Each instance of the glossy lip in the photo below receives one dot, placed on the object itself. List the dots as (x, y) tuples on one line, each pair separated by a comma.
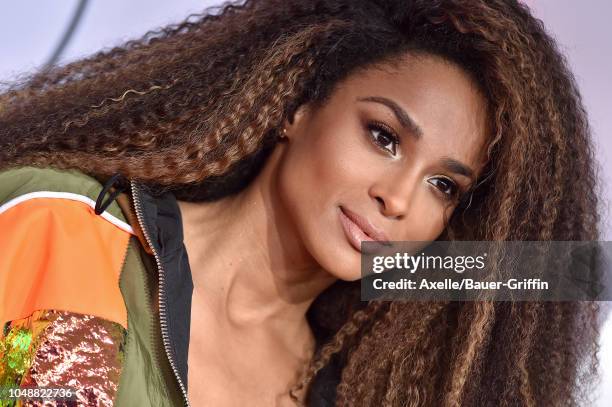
[(365, 225), (358, 229)]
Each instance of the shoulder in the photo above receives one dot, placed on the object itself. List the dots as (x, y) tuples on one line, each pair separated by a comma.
[(57, 253), (63, 317), (21, 184), (19, 180)]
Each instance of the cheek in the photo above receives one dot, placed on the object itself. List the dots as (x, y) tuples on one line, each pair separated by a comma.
[(313, 179), (319, 167), (425, 221), (308, 178)]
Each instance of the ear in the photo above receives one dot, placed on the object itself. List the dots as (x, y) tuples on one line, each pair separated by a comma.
[(295, 120)]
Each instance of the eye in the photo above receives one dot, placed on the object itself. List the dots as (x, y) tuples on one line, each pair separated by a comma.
[(383, 137), (447, 186)]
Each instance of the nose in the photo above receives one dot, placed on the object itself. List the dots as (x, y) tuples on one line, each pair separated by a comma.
[(395, 194)]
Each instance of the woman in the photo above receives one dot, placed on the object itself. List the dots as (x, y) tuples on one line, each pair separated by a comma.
[(257, 147)]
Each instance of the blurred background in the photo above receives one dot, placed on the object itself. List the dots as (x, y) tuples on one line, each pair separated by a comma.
[(34, 33)]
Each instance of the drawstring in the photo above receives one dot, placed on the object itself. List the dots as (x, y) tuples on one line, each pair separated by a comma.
[(100, 205)]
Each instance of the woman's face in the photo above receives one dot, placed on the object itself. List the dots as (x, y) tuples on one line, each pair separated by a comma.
[(342, 158)]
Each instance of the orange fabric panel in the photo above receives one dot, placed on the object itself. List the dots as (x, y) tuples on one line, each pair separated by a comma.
[(58, 254)]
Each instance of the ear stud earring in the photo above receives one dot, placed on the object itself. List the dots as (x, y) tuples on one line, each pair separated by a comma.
[(283, 134)]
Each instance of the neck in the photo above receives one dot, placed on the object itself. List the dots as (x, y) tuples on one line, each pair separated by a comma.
[(247, 264)]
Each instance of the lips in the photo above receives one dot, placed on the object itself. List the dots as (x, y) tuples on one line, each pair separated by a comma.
[(365, 225), (356, 234)]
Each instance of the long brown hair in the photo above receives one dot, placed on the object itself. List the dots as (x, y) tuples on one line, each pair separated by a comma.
[(195, 107)]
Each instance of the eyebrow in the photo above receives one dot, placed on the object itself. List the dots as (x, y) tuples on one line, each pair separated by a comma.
[(401, 115), (450, 164)]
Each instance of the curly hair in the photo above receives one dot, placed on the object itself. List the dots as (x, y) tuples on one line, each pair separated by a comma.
[(195, 108)]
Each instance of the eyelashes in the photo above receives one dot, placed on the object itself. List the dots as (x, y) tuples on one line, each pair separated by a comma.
[(386, 140), (376, 130), (449, 188)]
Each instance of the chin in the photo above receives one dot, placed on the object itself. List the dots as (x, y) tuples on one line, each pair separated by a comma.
[(338, 262), (344, 275), (352, 276)]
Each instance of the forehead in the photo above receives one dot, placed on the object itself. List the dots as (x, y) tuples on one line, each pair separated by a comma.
[(438, 95)]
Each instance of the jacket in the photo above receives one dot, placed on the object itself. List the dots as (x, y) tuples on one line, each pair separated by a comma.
[(95, 290)]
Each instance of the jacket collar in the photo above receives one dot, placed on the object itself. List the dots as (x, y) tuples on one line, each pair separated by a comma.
[(161, 221)]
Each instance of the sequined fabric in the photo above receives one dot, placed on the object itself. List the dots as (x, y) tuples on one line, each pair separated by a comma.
[(63, 349)]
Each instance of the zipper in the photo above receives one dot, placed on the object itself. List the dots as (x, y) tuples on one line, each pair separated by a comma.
[(162, 304)]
